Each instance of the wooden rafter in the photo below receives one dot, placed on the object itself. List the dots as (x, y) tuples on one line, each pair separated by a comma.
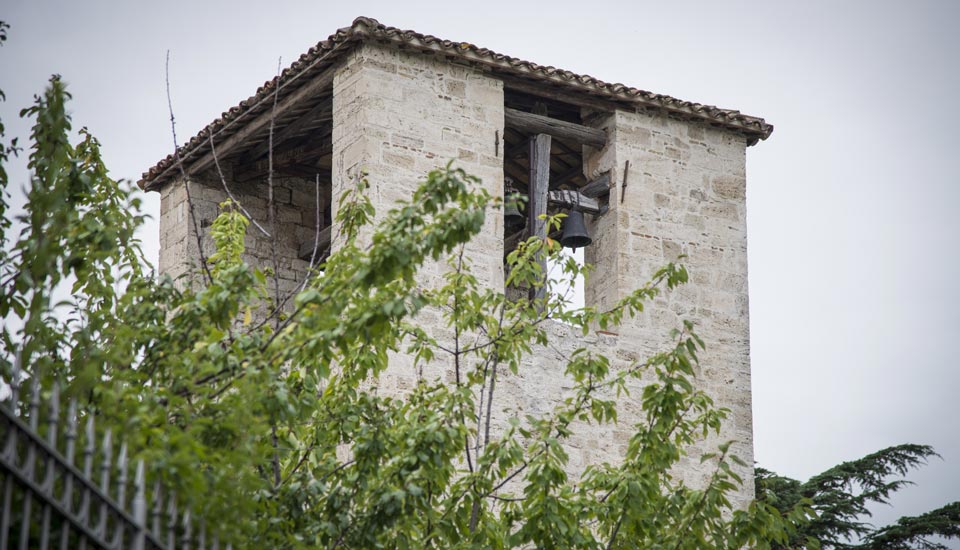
[(312, 89), (304, 166), (518, 168), (566, 176), (319, 112)]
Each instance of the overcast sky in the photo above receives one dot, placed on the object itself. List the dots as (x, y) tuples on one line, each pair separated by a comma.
[(853, 203)]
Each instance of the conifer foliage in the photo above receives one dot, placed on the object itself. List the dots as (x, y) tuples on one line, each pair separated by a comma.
[(842, 495)]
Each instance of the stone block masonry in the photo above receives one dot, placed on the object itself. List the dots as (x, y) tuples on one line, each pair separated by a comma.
[(295, 201), (685, 196), (398, 114)]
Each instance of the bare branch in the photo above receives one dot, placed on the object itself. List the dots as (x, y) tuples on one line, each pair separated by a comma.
[(316, 238), (272, 221), (456, 347), (276, 456), (271, 205), (186, 179), (223, 180), (316, 232)]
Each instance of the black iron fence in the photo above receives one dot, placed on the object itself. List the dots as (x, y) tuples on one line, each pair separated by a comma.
[(50, 501)]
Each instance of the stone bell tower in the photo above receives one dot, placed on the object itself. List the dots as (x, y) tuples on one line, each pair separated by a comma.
[(657, 178)]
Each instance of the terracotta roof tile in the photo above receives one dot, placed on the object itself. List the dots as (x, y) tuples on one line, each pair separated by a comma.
[(322, 55)]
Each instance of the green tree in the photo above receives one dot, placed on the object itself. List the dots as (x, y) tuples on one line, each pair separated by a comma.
[(842, 495), (266, 418)]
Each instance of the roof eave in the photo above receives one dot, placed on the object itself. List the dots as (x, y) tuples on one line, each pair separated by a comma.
[(753, 128)]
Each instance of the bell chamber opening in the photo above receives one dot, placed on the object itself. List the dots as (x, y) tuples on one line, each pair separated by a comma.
[(544, 145)]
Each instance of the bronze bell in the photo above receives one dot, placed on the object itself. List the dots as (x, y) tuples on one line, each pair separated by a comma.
[(511, 211), (574, 231)]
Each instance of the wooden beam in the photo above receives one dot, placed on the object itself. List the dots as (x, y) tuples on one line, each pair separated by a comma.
[(321, 110), (539, 188), (598, 187), (312, 88), (539, 124), (539, 182), (573, 199)]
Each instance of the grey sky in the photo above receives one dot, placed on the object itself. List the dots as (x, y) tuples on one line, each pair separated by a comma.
[(853, 202)]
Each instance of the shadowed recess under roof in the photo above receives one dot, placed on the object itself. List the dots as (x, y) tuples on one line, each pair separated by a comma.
[(320, 57)]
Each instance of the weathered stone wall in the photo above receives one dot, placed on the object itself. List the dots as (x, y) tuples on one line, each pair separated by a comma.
[(685, 195), (174, 230), (295, 201), (398, 114)]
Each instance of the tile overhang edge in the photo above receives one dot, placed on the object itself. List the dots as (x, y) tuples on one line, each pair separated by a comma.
[(364, 28)]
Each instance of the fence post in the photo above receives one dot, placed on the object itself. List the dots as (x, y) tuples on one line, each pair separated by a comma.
[(84, 516), (30, 462), (156, 511), (58, 500), (67, 500), (187, 531), (53, 416), (118, 528), (10, 454), (139, 509), (172, 520), (105, 465)]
